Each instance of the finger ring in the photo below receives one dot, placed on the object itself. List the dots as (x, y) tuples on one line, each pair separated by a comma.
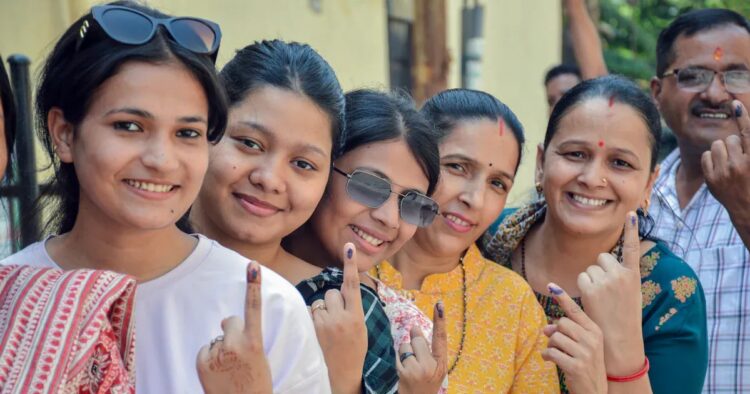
[(220, 338), (406, 355), (319, 304)]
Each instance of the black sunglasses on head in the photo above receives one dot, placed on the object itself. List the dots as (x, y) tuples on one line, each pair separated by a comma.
[(373, 191), (130, 26)]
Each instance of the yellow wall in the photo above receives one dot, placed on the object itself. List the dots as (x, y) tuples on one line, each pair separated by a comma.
[(521, 40)]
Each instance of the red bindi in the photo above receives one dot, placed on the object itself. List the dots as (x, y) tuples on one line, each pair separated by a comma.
[(601, 144), (502, 127), (718, 53)]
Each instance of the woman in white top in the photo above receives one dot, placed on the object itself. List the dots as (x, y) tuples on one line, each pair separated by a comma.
[(128, 104)]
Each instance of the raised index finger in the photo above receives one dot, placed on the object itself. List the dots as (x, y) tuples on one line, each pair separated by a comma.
[(631, 243), (350, 288), (743, 123), (253, 300)]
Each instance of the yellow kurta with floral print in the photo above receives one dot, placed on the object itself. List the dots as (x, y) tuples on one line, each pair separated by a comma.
[(501, 350)]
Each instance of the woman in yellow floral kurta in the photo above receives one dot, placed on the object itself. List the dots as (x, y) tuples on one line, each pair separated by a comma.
[(494, 323)]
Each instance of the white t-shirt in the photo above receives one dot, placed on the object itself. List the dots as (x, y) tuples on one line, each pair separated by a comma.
[(182, 310)]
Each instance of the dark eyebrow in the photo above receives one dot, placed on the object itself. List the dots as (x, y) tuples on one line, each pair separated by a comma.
[(131, 111), (148, 115), (474, 162), (270, 135), (460, 156), (586, 144), (736, 66)]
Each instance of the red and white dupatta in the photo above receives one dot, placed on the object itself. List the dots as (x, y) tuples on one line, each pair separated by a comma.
[(66, 331)]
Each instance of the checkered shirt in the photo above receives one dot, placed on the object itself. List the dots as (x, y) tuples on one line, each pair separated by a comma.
[(703, 235), (379, 374)]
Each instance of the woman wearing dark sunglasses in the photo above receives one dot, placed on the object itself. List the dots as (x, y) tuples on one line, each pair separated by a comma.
[(375, 199), (495, 324), (128, 104)]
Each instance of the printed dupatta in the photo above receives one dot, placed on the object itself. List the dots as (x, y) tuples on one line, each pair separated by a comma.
[(66, 331)]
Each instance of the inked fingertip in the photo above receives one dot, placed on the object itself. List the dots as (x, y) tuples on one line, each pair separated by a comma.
[(252, 272), (555, 289), (633, 219), (737, 109), (440, 309)]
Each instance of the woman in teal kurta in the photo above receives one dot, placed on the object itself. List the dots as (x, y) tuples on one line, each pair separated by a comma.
[(596, 166), (674, 308)]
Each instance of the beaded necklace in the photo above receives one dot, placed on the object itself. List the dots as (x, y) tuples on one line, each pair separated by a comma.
[(465, 299)]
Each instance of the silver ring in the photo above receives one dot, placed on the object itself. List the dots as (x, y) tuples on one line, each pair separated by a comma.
[(406, 355), (214, 341), (318, 304)]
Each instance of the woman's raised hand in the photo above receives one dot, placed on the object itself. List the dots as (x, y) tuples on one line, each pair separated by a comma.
[(340, 326), (576, 346), (611, 296), (423, 370), (235, 362)]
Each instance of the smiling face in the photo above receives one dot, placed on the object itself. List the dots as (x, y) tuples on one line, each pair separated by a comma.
[(478, 164), (699, 118), (376, 232), (141, 151), (596, 167), (270, 170)]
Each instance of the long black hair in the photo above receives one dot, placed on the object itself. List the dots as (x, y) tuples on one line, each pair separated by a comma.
[(9, 110), (373, 116), (72, 75)]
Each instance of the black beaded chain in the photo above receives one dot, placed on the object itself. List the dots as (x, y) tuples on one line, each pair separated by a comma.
[(465, 300)]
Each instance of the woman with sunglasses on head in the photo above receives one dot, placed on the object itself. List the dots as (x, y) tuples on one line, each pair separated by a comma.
[(268, 173), (127, 105), (644, 326), (376, 198), (495, 324)]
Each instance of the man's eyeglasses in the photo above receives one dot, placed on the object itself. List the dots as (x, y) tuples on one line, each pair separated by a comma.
[(130, 26), (373, 191), (697, 79)]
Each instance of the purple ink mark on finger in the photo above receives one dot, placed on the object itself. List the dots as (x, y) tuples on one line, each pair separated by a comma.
[(349, 253), (738, 111), (554, 289), (252, 274)]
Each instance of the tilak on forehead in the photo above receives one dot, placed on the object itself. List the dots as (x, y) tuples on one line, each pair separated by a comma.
[(718, 53), (502, 127)]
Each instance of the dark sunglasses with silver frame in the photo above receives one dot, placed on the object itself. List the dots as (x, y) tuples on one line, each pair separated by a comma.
[(130, 26), (373, 191)]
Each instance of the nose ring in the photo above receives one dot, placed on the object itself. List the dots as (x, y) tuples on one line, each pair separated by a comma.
[(604, 181)]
